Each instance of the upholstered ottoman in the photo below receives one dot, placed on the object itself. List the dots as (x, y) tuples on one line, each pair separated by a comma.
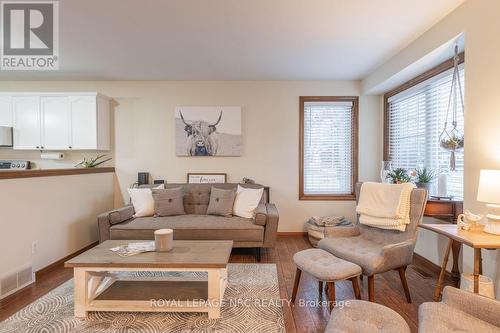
[(367, 317), (326, 267)]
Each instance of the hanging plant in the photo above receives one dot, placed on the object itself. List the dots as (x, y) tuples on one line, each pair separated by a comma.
[(453, 143), (451, 138)]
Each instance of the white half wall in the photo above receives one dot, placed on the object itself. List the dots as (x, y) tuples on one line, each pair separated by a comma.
[(144, 127), (59, 213)]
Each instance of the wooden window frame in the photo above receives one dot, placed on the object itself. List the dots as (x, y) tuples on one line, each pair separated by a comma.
[(443, 67), (354, 145)]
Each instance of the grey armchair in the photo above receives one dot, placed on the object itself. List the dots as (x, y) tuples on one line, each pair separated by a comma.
[(459, 311), (378, 250)]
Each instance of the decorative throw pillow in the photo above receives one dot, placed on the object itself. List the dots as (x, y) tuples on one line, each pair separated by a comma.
[(142, 200), (168, 202), (246, 201), (221, 202)]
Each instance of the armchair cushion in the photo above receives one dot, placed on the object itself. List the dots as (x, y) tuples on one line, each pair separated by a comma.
[(336, 232), (366, 317), (440, 317), (398, 255), (478, 306), (363, 252)]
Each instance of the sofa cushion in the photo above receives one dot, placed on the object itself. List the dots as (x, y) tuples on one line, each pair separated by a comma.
[(142, 200), (246, 201), (197, 196), (191, 227), (439, 317), (221, 202), (168, 202), (360, 251)]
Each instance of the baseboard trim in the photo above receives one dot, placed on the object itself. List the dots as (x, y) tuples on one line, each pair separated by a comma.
[(60, 262), (292, 233), (430, 266)]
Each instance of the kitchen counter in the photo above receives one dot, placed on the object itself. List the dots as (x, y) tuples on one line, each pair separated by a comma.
[(12, 174)]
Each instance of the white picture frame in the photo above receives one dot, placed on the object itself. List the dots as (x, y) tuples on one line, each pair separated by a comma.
[(206, 178)]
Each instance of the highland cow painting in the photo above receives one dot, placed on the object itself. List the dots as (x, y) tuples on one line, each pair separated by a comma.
[(208, 131)]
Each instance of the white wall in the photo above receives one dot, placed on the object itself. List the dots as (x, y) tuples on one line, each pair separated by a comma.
[(58, 212), (478, 19), (144, 122)]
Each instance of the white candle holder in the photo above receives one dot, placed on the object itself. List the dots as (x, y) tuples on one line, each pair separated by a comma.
[(164, 240)]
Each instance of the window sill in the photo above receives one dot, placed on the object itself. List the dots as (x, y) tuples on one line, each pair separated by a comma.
[(312, 197)]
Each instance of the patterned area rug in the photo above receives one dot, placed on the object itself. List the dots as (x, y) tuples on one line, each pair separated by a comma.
[(251, 304)]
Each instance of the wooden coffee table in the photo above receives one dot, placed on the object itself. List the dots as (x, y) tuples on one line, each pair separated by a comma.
[(98, 286)]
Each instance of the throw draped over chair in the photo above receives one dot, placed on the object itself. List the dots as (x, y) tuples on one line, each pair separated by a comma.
[(377, 250)]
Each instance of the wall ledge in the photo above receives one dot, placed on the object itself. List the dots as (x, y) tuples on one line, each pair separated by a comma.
[(11, 174)]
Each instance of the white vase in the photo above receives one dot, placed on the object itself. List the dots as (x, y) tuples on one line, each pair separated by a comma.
[(385, 169)]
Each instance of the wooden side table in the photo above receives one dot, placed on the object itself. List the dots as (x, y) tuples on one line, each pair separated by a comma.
[(476, 239), (446, 211)]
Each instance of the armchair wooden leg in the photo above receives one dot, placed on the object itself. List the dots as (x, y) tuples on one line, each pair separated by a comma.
[(402, 276), (331, 294), (296, 284), (371, 288), (355, 287), (320, 289)]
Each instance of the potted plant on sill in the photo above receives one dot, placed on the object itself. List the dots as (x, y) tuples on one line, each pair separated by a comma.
[(398, 176), (93, 162), (424, 178)]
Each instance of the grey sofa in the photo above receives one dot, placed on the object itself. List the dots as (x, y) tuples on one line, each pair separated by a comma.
[(257, 233)]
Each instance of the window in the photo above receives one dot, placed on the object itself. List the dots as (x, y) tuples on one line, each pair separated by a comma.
[(328, 147), (415, 118)]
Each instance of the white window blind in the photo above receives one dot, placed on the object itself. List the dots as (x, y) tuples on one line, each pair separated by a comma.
[(415, 121), (328, 138)]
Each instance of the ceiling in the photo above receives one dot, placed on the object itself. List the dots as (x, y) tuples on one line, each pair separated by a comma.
[(234, 39)]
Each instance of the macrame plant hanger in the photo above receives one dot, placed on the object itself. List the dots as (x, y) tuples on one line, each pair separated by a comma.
[(451, 138)]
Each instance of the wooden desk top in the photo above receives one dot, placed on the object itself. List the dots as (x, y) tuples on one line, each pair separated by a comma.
[(185, 254), (474, 239)]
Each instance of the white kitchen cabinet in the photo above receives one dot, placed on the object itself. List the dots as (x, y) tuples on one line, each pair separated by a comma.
[(83, 122), (57, 121), (26, 122), (90, 122), (6, 111)]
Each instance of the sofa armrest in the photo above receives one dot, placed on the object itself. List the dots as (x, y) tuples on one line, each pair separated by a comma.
[(478, 306), (398, 254), (271, 227), (334, 232), (106, 220), (260, 215)]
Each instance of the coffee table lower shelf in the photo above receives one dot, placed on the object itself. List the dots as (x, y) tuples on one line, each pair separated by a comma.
[(101, 289)]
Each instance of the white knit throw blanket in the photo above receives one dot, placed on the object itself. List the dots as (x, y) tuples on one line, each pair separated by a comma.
[(385, 206)]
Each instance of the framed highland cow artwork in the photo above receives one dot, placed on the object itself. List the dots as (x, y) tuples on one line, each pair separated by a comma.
[(208, 131)]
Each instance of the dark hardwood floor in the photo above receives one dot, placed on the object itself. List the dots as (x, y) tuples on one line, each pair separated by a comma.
[(388, 289)]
